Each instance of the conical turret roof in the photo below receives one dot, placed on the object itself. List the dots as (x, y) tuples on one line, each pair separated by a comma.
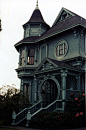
[(36, 17)]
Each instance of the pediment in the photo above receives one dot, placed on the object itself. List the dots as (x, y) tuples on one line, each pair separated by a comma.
[(46, 65), (64, 14)]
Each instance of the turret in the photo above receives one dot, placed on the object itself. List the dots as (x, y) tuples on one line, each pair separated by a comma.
[(36, 25)]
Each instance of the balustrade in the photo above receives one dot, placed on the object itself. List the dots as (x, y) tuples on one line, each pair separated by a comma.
[(37, 108)]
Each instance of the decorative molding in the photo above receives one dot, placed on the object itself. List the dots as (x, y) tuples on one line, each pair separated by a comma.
[(75, 32), (82, 33)]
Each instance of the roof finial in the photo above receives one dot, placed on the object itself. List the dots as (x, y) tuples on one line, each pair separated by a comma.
[(37, 5)]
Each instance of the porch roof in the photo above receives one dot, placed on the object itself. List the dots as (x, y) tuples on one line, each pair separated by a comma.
[(57, 65)]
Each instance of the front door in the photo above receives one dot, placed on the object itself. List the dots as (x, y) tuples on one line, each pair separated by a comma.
[(49, 92)]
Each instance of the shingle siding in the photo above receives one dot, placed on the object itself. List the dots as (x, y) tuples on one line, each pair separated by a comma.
[(73, 45)]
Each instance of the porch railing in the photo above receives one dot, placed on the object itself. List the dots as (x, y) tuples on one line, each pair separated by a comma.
[(54, 106), (23, 114), (36, 109)]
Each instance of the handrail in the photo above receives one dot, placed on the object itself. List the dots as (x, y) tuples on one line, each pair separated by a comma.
[(23, 114), (21, 111), (47, 108), (51, 107), (34, 105), (28, 108)]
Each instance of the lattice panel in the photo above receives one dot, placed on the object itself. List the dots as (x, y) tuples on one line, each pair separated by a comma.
[(71, 82), (46, 97), (68, 93), (60, 97), (59, 78)]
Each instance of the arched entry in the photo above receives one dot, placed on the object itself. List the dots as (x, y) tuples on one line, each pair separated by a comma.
[(49, 91)]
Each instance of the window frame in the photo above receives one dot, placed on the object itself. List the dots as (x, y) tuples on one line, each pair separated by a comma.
[(30, 57), (58, 49), (22, 57)]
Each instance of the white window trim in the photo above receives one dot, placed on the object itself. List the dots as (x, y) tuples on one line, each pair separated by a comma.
[(57, 44)]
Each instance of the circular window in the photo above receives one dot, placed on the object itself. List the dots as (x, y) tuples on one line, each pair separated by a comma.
[(61, 49)]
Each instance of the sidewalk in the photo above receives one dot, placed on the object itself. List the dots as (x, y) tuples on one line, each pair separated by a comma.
[(19, 128), (24, 128)]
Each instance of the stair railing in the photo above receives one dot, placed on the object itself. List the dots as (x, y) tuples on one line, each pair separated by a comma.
[(54, 106), (35, 110), (17, 118)]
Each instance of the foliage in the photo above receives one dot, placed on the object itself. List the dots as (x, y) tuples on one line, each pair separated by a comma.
[(76, 104), (9, 103), (54, 120), (72, 117)]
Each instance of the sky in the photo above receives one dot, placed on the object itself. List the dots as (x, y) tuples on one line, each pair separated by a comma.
[(14, 13)]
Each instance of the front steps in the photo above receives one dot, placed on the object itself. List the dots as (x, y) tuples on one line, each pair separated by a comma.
[(32, 112)]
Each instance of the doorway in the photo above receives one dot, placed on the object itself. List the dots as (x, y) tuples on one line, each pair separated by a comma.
[(49, 91)]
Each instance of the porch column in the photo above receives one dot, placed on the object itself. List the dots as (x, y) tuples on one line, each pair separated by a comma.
[(63, 75), (30, 92), (35, 85)]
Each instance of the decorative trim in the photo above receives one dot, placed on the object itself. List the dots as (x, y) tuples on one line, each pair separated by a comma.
[(41, 83), (61, 42)]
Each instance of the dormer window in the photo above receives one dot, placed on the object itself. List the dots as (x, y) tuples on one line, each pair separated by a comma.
[(30, 58), (22, 57)]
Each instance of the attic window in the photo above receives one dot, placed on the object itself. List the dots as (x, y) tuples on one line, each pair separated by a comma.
[(30, 58), (61, 49)]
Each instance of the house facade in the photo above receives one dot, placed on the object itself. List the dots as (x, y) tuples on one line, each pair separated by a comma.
[(52, 59)]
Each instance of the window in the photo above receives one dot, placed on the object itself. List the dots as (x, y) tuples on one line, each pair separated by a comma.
[(61, 49), (26, 90), (22, 57), (30, 58)]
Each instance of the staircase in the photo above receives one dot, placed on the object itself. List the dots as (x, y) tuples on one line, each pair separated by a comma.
[(35, 110)]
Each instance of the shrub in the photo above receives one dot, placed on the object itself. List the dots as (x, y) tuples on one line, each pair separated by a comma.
[(72, 117), (53, 120), (9, 103)]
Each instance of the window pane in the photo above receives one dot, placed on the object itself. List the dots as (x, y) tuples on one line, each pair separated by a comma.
[(31, 52), (65, 46), (57, 51), (22, 61), (65, 50), (60, 46), (22, 53), (31, 60), (60, 52), (26, 90)]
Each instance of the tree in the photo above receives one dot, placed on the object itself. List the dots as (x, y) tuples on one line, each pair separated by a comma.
[(10, 102)]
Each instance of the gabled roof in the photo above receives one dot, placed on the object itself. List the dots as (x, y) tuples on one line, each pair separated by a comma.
[(57, 27), (64, 25), (60, 63), (36, 17), (62, 10), (55, 65)]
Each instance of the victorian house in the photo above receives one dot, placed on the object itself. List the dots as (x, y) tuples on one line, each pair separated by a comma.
[(51, 60)]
